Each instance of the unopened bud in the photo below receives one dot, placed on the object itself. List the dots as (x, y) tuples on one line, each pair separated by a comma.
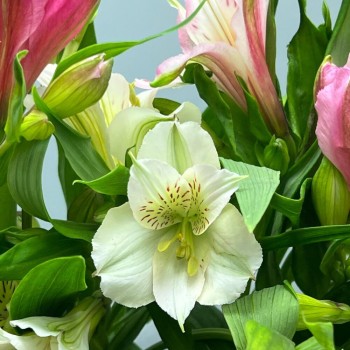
[(78, 87), (276, 155), (313, 310), (36, 126), (330, 195)]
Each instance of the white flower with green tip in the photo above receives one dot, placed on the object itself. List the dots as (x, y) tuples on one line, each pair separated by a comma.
[(70, 332), (178, 240)]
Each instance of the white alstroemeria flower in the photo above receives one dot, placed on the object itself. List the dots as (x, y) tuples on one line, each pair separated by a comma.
[(177, 240), (69, 332), (9, 341)]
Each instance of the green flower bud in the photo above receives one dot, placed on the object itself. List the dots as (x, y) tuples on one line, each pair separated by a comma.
[(330, 195), (78, 87), (276, 155), (313, 310), (336, 262), (36, 126)]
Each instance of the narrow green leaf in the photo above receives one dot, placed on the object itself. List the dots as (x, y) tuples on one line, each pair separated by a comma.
[(24, 177), (260, 337), (323, 333), (255, 192), (115, 49), (275, 308), (305, 236), (305, 53), (169, 329), (8, 208), (291, 207), (339, 45), (16, 262), (113, 183), (75, 230), (47, 287), (77, 148), (15, 108)]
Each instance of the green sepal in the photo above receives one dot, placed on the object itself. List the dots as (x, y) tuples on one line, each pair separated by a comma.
[(16, 262), (275, 308), (48, 287), (305, 53)]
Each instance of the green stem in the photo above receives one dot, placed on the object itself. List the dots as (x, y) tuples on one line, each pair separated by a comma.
[(26, 220), (8, 209)]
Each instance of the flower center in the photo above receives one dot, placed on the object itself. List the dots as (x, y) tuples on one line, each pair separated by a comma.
[(185, 246)]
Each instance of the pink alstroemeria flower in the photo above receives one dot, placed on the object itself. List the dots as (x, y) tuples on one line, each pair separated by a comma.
[(228, 37), (333, 109), (44, 28)]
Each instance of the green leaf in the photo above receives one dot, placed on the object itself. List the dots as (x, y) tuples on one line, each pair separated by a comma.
[(291, 207), (75, 230), (16, 262), (46, 289), (275, 308), (305, 53), (24, 177), (306, 261), (209, 92), (305, 236), (15, 108), (77, 148), (113, 183), (322, 337), (169, 329), (8, 208), (255, 192), (339, 45), (260, 337)]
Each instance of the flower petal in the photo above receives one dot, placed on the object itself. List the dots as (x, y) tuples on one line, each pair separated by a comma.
[(178, 144), (129, 127), (116, 98), (234, 257), (122, 253), (211, 190), (10, 341), (174, 290), (159, 197), (39, 324)]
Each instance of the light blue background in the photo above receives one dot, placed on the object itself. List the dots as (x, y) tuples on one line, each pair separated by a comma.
[(137, 19)]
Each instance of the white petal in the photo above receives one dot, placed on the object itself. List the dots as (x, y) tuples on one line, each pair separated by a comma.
[(158, 195), (39, 324), (211, 191), (129, 127), (116, 97), (180, 145), (174, 290), (234, 258), (47, 74), (188, 112), (10, 341), (122, 253)]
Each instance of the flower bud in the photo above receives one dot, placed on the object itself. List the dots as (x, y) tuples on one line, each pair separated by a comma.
[(336, 262), (330, 195), (276, 155), (36, 126), (79, 87), (313, 310)]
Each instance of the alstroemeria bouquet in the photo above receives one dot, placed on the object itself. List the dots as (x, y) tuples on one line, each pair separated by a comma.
[(228, 227)]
